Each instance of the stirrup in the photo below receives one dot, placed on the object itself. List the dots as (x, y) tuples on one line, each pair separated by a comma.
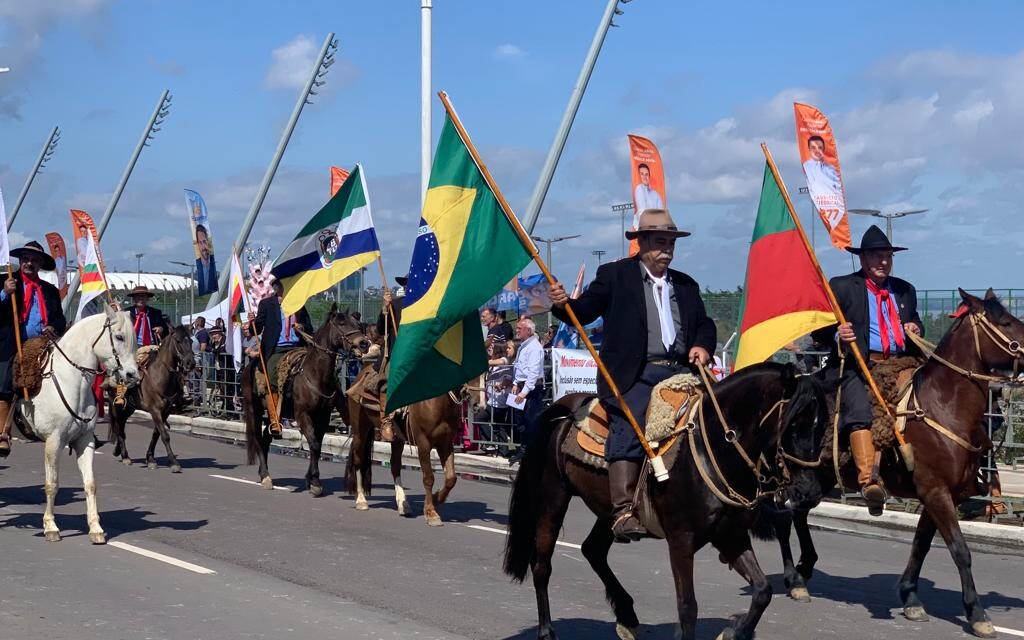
[(628, 535), (119, 400), (876, 505)]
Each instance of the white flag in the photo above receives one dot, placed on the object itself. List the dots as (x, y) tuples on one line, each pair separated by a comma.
[(5, 247)]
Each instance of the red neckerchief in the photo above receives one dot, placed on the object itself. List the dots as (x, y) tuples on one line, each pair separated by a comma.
[(882, 296), (33, 290), (142, 324)]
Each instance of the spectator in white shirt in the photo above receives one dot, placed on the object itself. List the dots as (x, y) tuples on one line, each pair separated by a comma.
[(528, 378)]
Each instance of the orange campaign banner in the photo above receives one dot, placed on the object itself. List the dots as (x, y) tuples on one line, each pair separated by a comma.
[(820, 160), (648, 180), (81, 224), (60, 256), (338, 178)]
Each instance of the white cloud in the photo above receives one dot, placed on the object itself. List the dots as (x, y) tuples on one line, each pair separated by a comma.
[(165, 243), (292, 63), (508, 51)]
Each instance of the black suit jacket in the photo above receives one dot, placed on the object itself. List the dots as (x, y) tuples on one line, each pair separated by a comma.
[(852, 295), (617, 295), (54, 315), (156, 319), (268, 323), (206, 281)]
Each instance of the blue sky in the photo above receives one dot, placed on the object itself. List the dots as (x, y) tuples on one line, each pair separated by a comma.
[(926, 99)]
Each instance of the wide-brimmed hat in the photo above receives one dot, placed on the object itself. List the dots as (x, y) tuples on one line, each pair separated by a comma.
[(402, 280), (33, 248), (141, 290), (874, 239), (656, 220)]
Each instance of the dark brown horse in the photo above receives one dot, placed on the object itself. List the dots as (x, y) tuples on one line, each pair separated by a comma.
[(312, 396), (952, 391), (769, 411), (430, 425), (161, 390)]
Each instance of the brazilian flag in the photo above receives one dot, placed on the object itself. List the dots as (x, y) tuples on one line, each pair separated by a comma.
[(466, 250)]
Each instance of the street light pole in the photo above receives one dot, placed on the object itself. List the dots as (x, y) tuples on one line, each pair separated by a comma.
[(192, 285), (549, 242), (888, 217), (622, 209), (44, 157), (598, 253), (138, 270)]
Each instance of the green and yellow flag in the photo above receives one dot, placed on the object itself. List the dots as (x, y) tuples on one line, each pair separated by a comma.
[(466, 250)]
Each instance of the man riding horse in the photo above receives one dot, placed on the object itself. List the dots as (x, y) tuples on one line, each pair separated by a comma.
[(150, 323), (385, 327), (280, 334), (880, 310), (655, 326), (39, 313)]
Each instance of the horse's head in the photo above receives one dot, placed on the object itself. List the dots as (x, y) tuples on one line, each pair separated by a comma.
[(115, 345), (342, 331), (803, 425), (998, 336), (180, 341)]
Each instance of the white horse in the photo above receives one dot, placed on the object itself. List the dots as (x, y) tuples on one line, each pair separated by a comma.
[(65, 407)]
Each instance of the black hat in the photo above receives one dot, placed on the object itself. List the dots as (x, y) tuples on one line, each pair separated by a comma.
[(33, 248), (402, 280), (874, 238)]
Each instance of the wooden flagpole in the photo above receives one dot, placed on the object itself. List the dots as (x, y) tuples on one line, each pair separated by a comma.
[(857, 355), (657, 464), (391, 312), (17, 322)]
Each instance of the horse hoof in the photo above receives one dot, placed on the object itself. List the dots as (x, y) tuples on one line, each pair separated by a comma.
[(915, 614), (361, 505), (403, 508), (175, 468), (728, 634), (434, 520), (126, 462), (98, 537), (624, 632), (151, 466), (316, 491), (983, 629), (800, 594), (52, 536), (267, 483)]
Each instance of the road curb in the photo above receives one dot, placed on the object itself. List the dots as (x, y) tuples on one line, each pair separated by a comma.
[(982, 536), (495, 469)]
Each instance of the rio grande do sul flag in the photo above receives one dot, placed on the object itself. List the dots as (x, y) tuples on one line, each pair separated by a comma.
[(94, 282), (784, 296), (819, 158), (466, 250)]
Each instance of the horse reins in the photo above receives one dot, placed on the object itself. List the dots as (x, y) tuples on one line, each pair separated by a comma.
[(85, 371)]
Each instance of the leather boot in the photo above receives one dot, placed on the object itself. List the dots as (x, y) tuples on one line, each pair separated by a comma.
[(863, 448), (622, 479), (5, 428)]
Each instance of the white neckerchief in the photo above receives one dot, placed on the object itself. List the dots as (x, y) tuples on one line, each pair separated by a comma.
[(663, 302)]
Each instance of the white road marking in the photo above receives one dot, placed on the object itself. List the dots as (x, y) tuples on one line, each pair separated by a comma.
[(214, 475), (1011, 632), (505, 533), (188, 566)]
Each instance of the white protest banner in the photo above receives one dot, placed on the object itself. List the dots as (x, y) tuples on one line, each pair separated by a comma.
[(573, 371)]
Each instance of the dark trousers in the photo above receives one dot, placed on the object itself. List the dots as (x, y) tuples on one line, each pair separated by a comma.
[(855, 407), (622, 442), (528, 418)]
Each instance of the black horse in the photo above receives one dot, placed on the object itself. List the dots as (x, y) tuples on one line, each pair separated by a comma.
[(161, 390), (773, 415)]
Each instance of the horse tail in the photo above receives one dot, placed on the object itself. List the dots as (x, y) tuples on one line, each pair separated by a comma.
[(524, 503), (252, 426)]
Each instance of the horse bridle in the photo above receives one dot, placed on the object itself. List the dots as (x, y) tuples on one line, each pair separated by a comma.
[(1003, 342), (780, 478), (85, 371)]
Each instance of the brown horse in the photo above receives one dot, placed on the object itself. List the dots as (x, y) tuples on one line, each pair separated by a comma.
[(312, 396), (161, 390), (772, 415), (952, 392), (430, 425)]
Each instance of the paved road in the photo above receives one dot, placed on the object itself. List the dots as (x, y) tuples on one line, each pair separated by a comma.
[(253, 564)]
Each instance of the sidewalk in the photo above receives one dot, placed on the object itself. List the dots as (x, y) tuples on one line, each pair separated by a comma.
[(1012, 481)]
